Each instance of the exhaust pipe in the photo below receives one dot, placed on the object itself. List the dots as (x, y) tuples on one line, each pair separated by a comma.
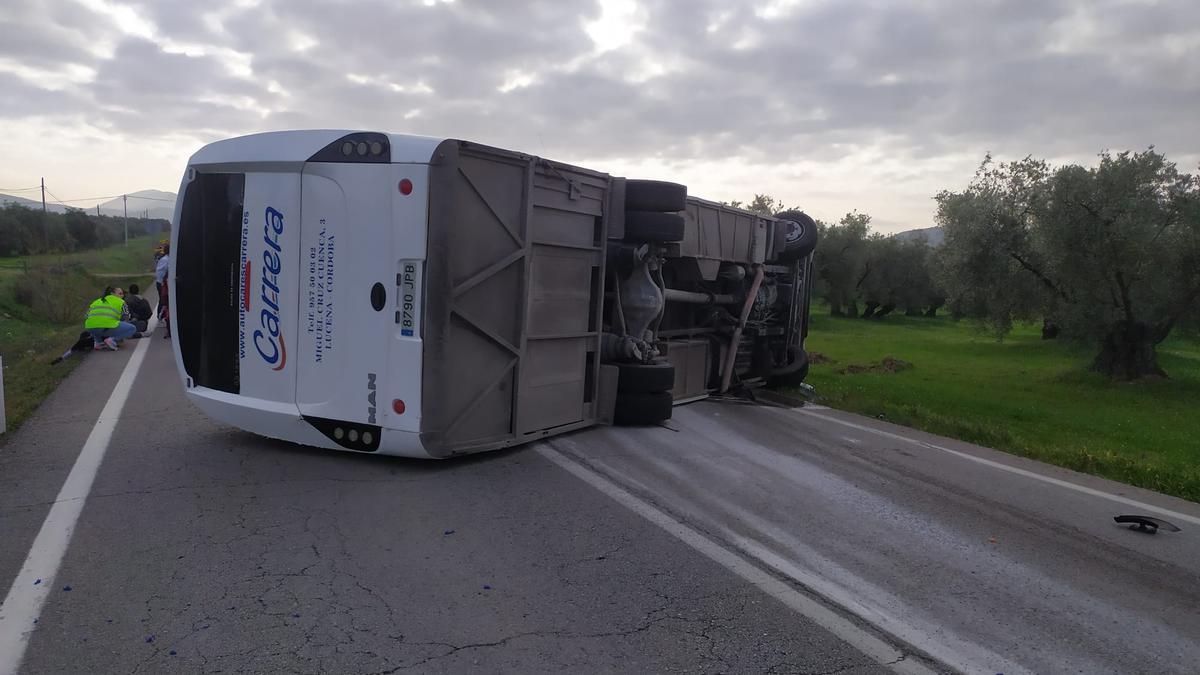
[(736, 340)]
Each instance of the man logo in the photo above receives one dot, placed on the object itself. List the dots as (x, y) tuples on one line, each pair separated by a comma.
[(370, 398)]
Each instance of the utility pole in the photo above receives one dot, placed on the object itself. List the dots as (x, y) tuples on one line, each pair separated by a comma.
[(125, 204), (97, 210), (45, 221)]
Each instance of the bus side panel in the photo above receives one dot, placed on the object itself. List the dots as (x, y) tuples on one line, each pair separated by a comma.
[(514, 277), (475, 286)]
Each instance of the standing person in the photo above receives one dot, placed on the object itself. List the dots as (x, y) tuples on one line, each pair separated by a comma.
[(104, 322), (161, 268), (164, 308)]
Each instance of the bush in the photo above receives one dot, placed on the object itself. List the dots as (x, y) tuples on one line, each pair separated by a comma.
[(55, 293)]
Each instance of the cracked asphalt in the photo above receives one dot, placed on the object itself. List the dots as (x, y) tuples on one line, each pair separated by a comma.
[(974, 557), (206, 549)]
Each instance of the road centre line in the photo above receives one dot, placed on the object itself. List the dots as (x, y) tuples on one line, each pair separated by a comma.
[(1004, 467), (849, 632), (27, 595)]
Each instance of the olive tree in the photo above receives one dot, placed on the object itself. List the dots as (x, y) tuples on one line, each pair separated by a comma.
[(764, 205), (899, 278), (843, 263), (1111, 252)]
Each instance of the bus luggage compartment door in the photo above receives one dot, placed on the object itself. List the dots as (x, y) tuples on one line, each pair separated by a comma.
[(269, 247), (513, 289)]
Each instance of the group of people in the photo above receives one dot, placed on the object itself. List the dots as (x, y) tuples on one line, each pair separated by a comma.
[(117, 315)]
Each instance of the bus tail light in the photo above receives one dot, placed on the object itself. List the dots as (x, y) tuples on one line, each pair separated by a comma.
[(349, 435), (358, 147), (398, 406)]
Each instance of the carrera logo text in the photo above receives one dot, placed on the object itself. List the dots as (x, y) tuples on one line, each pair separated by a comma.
[(268, 339)]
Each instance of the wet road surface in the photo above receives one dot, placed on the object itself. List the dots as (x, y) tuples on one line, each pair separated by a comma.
[(739, 538)]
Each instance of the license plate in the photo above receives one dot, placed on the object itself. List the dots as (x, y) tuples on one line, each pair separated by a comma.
[(408, 298)]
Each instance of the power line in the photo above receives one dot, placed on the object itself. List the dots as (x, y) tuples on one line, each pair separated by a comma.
[(88, 199), (64, 202), (52, 195)]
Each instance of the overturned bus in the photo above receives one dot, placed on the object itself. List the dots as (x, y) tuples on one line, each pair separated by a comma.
[(430, 297)]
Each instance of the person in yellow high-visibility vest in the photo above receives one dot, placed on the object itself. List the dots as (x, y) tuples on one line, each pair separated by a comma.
[(104, 322)]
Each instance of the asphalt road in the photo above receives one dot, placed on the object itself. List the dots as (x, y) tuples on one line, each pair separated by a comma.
[(718, 544)]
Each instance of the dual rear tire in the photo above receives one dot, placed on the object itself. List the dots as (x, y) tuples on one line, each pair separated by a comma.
[(653, 214), (652, 211), (644, 393)]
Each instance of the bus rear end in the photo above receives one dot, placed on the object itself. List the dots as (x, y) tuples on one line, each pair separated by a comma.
[(298, 263)]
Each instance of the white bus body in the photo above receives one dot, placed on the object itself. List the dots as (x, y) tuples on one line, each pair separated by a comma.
[(397, 294)]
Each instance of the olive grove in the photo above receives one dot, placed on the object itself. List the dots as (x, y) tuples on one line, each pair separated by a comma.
[(1109, 254)]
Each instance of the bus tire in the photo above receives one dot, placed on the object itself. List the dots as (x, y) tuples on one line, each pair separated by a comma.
[(792, 375), (640, 409), (654, 195), (640, 378), (800, 235), (652, 226)]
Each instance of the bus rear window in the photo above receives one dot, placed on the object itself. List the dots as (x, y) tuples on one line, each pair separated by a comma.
[(207, 279)]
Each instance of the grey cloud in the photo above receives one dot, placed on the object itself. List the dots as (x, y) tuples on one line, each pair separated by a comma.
[(49, 36), (919, 81), (147, 90), (19, 99)]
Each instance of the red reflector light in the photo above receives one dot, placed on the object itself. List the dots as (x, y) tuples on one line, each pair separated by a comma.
[(406, 187), (398, 406)]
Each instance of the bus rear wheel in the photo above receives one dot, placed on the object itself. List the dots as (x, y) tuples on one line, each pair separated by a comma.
[(652, 226), (642, 409), (654, 195), (641, 378)]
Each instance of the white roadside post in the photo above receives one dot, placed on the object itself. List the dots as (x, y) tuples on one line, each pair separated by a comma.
[(3, 425)]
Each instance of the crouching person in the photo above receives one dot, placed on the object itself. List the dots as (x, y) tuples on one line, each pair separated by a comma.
[(104, 322), (138, 308)]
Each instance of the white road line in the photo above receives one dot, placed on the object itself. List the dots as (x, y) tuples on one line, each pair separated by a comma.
[(27, 595), (1143, 506), (874, 647)]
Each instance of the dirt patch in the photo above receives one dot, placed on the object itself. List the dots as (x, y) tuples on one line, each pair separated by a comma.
[(815, 358), (889, 364)]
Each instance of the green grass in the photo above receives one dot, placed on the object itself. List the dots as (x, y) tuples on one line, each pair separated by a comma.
[(31, 336), (1024, 395), (135, 259), (27, 348)]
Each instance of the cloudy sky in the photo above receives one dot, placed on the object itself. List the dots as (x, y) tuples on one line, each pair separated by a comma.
[(832, 105)]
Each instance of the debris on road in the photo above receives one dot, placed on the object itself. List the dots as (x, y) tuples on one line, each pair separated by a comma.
[(1146, 524)]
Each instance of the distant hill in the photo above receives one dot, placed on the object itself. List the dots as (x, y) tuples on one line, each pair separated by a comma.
[(157, 203), (31, 203), (934, 236), (160, 204)]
